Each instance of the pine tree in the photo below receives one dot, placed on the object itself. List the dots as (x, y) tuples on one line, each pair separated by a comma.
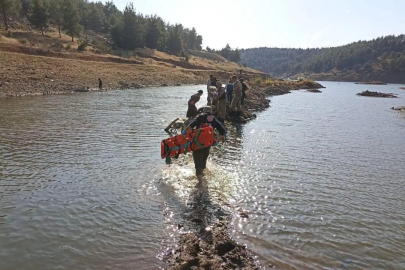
[(235, 56), (199, 42), (132, 34), (55, 12), (175, 40), (154, 33), (192, 39), (25, 7), (39, 15), (71, 18), (96, 18), (8, 7)]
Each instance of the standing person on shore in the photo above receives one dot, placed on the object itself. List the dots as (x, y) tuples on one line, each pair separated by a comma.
[(200, 156), (209, 82), (192, 108), (229, 90), (214, 82), (221, 102), (237, 95), (100, 84), (244, 89)]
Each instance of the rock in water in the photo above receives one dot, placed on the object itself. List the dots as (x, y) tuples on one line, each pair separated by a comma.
[(376, 94)]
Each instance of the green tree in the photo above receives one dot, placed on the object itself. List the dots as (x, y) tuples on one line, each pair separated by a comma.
[(25, 7), (56, 14), (226, 52), (132, 34), (8, 7), (175, 39), (235, 56), (154, 32), (71, 18), (192, 39), (116, 33), (39, 15), (96, 19), (199, 42)]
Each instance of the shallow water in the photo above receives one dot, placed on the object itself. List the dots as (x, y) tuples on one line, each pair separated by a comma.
[(318, 179)]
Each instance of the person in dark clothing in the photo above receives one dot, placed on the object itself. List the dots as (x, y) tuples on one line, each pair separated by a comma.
[(192, 109), (244, 89), (100, 84), (229, 90), (214, 81), (200, 156)]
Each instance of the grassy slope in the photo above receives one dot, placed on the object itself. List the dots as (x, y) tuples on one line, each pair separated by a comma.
[(31, 64)]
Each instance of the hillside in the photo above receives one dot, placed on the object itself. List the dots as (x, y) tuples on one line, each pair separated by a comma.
[(381, 59), (32, 64)]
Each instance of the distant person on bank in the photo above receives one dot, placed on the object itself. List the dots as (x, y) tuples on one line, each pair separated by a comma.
[(192, 108), (237, 95), (229, 90), (100, 84), (221, 102)]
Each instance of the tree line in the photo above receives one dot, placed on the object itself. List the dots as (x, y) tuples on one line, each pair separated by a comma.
[(128, 29), (228, 53), (387, 52)]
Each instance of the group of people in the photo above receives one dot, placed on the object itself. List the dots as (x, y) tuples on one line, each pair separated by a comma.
[(235, 87), (234, 94)]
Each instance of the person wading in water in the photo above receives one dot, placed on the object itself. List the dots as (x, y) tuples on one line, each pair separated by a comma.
[(200, 156), (192, 109)]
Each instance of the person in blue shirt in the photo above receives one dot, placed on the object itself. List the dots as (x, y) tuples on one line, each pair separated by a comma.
[(229, 90)]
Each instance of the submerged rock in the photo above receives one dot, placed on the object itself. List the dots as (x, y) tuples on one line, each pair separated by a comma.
[(399, 109), (376, 94), (314, 91), (373, 83)]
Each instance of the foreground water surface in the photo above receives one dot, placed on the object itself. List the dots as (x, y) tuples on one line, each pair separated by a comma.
[(317, 181)]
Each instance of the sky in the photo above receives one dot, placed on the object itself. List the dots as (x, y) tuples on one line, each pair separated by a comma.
[(280, 23)]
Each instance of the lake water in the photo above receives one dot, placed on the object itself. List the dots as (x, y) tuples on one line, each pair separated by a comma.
[(317, 181)]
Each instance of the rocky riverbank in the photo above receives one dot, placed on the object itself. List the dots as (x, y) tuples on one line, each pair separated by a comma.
[(260, 89)]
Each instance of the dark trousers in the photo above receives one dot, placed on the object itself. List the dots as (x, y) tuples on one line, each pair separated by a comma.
[(229, 97), (242, 100), (192, 111), (200, 159)]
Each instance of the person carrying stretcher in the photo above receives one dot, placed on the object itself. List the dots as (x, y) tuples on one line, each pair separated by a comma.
[(200, 156)]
